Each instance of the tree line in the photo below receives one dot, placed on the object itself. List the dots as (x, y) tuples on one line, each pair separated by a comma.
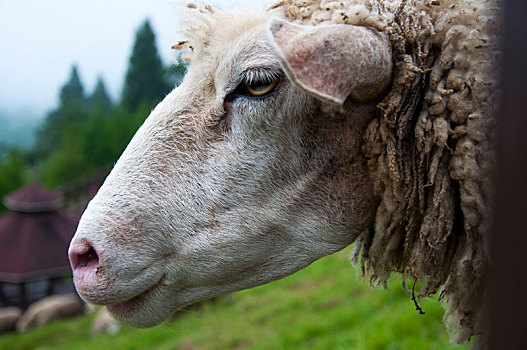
[(89, 131)]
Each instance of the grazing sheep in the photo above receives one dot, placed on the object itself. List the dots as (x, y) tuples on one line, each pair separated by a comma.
[(287, 142), (8, 317), (104, 323), (49, 309)]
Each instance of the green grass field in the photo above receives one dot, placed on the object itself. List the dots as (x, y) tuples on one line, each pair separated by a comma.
[(325, 306)]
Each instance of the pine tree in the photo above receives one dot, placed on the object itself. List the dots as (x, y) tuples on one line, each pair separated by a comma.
[(175, 73), (72, 90), (144, 82), (13, 169), (100, 97), (71, 110)]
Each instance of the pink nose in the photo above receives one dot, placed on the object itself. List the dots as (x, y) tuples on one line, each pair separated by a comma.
[(83, 257)]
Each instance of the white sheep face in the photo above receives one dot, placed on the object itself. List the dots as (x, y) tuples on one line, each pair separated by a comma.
[(221, 189)]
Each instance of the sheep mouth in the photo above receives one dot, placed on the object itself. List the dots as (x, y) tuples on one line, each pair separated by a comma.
[(126, 306), (122, 310)]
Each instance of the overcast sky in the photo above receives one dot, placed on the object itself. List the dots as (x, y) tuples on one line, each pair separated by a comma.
[(41, 39)]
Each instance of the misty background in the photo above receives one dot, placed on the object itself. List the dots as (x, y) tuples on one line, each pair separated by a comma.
[(77, 79), (41, 40)]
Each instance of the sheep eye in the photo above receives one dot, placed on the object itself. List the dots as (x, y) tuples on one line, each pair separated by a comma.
[(261, 87), (256, 83)]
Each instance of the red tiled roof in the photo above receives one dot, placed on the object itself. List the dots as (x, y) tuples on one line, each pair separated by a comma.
[(34, 246), (34, 241), (33, 198)]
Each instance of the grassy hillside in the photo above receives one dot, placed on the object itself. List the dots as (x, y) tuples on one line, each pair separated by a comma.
[(325, 306)]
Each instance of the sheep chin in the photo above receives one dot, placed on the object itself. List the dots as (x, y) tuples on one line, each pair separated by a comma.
[(147, 309)]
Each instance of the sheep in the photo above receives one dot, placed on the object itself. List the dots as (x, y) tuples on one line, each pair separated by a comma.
[(295, 133), (432, 164), (8, 317), (104, 323), (49, 309)]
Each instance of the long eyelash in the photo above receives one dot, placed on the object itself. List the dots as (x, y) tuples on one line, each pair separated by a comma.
[(259, 75)]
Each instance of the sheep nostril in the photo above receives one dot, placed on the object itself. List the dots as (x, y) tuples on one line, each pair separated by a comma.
[(83, 257)]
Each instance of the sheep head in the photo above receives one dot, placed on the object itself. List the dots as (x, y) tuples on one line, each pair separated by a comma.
[(247, 172)]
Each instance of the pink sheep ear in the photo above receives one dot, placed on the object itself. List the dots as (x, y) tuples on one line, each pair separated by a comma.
[(333, 61)]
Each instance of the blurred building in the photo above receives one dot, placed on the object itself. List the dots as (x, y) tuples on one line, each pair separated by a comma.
[(34, 239)]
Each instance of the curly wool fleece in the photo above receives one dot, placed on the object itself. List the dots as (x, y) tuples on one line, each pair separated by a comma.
[(431, 152)]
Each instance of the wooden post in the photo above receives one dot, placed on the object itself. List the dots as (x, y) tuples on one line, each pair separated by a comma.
[(2, 296), (508, 275), (51, 285), (23, 296)]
